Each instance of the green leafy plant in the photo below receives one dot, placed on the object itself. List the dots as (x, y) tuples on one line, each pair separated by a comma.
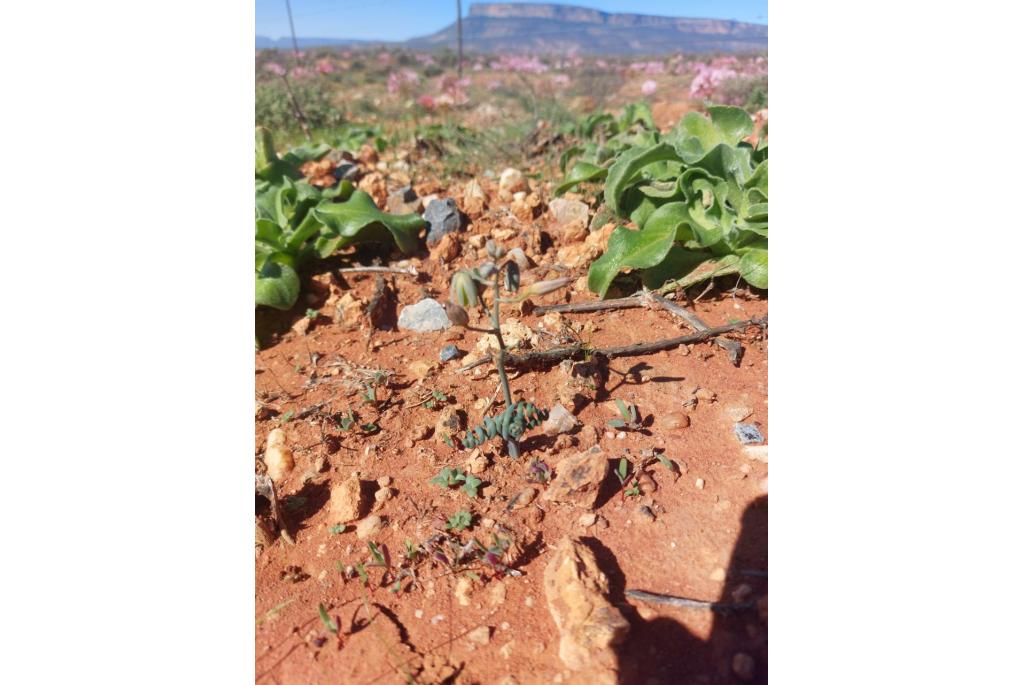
[(459, 521), (622, 473), (699, 195), (630, 416), (296, 221), (449, 477)]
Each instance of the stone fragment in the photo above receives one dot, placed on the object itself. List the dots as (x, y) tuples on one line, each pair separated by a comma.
[(568, 219), (449, 424), (369, 526), (425, 316), (522, 498), (447, 249), (480, 636), (443, 217), (559, 420), (404, 201), (578, 479), (588, 624), (449, 352), (510, 182), (347, 502), (278, 456), (748, 434)]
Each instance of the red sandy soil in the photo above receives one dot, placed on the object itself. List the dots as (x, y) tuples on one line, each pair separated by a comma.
[(701, 541)]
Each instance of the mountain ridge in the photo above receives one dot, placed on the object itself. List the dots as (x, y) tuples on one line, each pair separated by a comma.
[(557, 28)]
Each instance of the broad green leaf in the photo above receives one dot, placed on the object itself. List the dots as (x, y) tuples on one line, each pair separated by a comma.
[(581, 171), (309, 227), (754, 267), (306, 153), (629, 249), (660, 189), (727, 163), (628, 166), (674, 214), (678, 263), (270, 233), (359, 220), (277, 286), (732, 123), (759, 179), (567, 155)]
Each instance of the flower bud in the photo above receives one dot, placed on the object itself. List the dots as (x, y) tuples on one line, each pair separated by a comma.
[(463, 289)]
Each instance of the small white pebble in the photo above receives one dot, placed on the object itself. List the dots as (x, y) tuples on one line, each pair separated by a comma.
[(437, 619), (505, 625), (700, 483), (419, 613), (673, 545), (529, 601), (620, 436)]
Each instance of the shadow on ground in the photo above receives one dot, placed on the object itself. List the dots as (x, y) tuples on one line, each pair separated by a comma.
[(663, 651)]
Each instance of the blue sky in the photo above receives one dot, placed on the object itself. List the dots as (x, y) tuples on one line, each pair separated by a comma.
[(402, 19)]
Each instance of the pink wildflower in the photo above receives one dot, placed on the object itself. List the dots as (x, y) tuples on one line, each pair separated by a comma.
[(648, 87), (274, 68)]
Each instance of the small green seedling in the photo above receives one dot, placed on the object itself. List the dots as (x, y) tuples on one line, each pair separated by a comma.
[(312, 313), (337, 529), (437, 398), (630, 417), (346, 420), (328, 622), (459, 521), (668, 463), (449, 477), (287, 416), (622, 474)]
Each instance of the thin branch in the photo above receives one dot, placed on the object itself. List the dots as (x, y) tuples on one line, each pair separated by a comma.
[(687, 603), (360, 269), (559, 353), (733, 347), (596, 306)]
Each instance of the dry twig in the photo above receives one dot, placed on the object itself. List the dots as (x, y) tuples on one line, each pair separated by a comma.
[(733, 347), (559, 353)]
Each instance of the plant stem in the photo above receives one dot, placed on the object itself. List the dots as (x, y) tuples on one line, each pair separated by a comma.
[(295, 106), (513, 447)]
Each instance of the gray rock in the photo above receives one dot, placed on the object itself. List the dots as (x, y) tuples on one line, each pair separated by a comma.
[(443, 217), (346, 171), (449, 352), (748, 434), (425, 316)]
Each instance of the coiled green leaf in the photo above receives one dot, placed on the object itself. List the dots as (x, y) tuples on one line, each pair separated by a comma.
[(510, 424)]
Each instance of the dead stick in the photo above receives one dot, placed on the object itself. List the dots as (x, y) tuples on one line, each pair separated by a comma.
[(687, 603), (358, 269), (595, 306), (559, 353), (734, 349)]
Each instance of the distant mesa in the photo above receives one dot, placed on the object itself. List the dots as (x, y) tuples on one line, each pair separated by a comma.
[(549, 28)]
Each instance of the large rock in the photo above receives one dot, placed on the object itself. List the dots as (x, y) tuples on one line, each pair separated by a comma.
[(347, 501), (588, 625), (425, 316), (578, 479), (444, 218)]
